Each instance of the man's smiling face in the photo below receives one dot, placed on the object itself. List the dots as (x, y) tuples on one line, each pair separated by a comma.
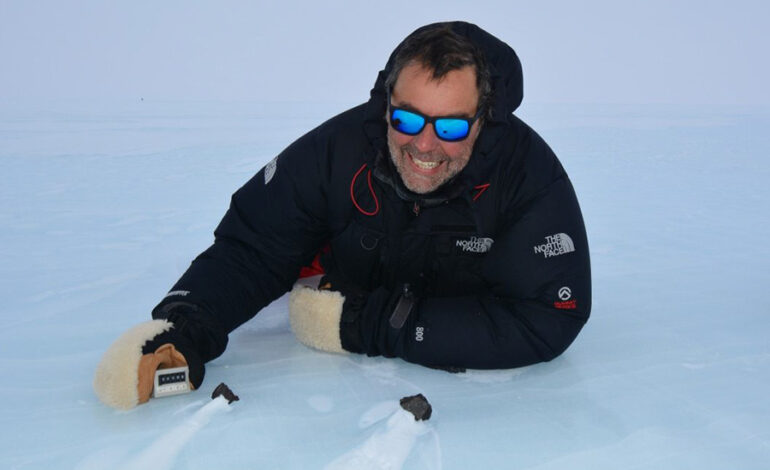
[(423, 161)]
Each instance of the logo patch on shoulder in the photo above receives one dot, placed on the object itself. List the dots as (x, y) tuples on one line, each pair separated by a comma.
[(270, 168), (567, 302), (555, 245)]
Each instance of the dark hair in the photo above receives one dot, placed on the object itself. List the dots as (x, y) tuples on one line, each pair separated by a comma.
[(441, 50)]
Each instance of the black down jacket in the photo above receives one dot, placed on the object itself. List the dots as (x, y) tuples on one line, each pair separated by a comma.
[(497, 258)]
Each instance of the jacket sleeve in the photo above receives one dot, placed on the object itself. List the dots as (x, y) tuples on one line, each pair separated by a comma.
[(537, 301), (275, 224)]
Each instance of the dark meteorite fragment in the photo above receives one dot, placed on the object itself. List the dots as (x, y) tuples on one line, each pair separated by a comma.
[(225, 391), (417, 405)]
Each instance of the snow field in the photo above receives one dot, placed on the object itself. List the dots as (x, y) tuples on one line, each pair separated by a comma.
[(103, 207)]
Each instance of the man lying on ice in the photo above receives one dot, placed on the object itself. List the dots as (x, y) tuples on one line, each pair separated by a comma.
[(447, 230)]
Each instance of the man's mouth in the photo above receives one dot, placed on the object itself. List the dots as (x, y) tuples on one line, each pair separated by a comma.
[(423, 165)]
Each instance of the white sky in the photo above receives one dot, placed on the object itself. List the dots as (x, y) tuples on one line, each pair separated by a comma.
[(685, 52)]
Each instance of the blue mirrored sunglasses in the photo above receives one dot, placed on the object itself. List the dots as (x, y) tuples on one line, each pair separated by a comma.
[(447, 128)]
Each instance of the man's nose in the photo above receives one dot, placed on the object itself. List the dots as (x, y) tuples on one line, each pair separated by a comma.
[(426, 140)]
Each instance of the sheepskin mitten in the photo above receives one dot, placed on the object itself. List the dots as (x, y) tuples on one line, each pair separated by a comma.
[(315, 316), (124, 377), (328, 318)]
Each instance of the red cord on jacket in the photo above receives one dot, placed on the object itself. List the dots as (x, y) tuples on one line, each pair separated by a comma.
[(371, 189)]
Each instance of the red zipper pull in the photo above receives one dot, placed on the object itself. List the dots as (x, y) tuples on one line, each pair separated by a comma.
[(416, 209)]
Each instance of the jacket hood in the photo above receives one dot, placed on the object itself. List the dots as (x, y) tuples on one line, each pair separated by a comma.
[(507, 93)]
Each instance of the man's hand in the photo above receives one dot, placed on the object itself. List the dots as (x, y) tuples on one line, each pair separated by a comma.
[(327, 318), (124, 377), (315, 317)]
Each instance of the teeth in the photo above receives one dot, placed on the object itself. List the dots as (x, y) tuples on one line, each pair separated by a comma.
[(424, 165)]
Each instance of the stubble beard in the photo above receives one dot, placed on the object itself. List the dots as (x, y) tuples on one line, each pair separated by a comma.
[(423, 184)]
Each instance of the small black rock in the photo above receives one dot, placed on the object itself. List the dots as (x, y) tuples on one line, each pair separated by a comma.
[(225, 391), (417, 405)]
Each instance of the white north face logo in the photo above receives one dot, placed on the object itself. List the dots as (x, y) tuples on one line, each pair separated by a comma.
[(556, 245), (177, 292), (476, 245)]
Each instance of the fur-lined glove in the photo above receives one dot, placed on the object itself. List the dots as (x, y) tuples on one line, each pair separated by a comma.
[(124, 377), (327, 318)]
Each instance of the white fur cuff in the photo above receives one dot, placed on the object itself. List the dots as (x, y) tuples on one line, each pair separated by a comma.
[(315, 317), (117, 375)]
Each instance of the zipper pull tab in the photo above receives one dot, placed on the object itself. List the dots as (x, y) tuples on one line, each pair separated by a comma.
[(416, 209), (403, 308)]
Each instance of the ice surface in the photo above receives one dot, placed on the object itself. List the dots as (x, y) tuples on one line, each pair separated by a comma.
[(386, 449), (103, 206), (162, 453)]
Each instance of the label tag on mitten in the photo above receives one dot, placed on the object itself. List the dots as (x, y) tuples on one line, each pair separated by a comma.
[(171, 381)]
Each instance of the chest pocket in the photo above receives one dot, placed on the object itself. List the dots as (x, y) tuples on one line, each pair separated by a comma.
[(458, 254), (356, 253)]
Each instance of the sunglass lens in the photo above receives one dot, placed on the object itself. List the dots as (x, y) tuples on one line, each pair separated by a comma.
[(406, 122), (451, 129)]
